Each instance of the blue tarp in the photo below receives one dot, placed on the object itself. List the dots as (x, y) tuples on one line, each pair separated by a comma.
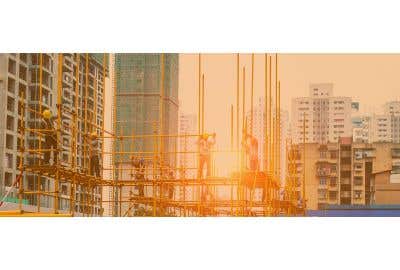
[(357, 211)]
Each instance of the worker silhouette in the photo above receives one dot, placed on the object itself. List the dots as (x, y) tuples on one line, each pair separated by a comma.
[(140, 167), (205, 142), (50, 137), (251, 150), (94, 154)]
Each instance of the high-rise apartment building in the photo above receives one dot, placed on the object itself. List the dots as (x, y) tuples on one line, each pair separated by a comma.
[(326, 117), (392, 108), (33, 78), (378, 127), (259, 133), (139, 92)]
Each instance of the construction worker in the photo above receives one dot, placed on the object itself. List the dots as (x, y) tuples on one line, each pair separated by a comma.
[(251, 146), (94, 145), (205, 142), (140, 167), (50, 136)]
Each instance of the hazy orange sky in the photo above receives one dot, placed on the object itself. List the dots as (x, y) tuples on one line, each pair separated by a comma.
[(372, 79)]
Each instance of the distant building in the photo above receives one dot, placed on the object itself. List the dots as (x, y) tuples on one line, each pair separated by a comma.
[(138, 86), (392, 108), (326, 117), (259, 132), (378, 127), (347, 173)]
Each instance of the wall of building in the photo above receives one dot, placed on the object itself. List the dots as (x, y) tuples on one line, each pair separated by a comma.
[(326, 117), (138, 78)]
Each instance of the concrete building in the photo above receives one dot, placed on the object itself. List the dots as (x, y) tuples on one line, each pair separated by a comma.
[(327, 118), (392, 108), (20, 74), (386, 178), (138, 85), (378, 127), (347, 173)]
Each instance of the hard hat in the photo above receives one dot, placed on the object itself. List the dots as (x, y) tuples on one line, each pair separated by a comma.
[(206, 136), (93, 135), (47, 114)]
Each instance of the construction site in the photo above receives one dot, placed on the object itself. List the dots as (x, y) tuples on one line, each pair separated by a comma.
[(138, 173)]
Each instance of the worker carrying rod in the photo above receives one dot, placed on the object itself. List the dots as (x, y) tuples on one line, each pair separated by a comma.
[(94, 145), (50, 136), (205, 142)]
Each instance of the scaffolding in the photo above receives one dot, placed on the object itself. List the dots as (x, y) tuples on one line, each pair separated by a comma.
[(160, 189)]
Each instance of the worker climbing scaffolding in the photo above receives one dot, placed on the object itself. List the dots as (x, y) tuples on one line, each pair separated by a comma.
[(50, 137), (94, 153), (205, 142)]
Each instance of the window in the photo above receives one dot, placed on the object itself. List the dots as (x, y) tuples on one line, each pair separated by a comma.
[(11, 85), (9, 142), (358, 181), (10, 122), (8, 179), (322, 181), (8, 161), (332, 182), (358, 166), (10, 104), (12, 67)]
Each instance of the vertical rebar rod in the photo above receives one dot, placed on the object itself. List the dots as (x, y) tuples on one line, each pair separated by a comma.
[(252, 95)]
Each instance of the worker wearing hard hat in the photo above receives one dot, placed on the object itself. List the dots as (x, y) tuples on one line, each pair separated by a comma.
[(94, 155), (94, 145), (205, 142), (50, 136)]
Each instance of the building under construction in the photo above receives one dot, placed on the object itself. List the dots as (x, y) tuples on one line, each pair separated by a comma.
[(143, 131)]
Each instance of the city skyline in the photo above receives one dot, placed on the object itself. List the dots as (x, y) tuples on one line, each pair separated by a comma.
[(143, 101)]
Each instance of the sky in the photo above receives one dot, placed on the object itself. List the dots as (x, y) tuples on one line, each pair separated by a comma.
[(371, 79)]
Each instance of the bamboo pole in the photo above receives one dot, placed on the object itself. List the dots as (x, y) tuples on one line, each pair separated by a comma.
[(203, 102), (304, 161), (270, 117), (40, 113), (266, 135), (237, 108), (252, 95), (58, 151)]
